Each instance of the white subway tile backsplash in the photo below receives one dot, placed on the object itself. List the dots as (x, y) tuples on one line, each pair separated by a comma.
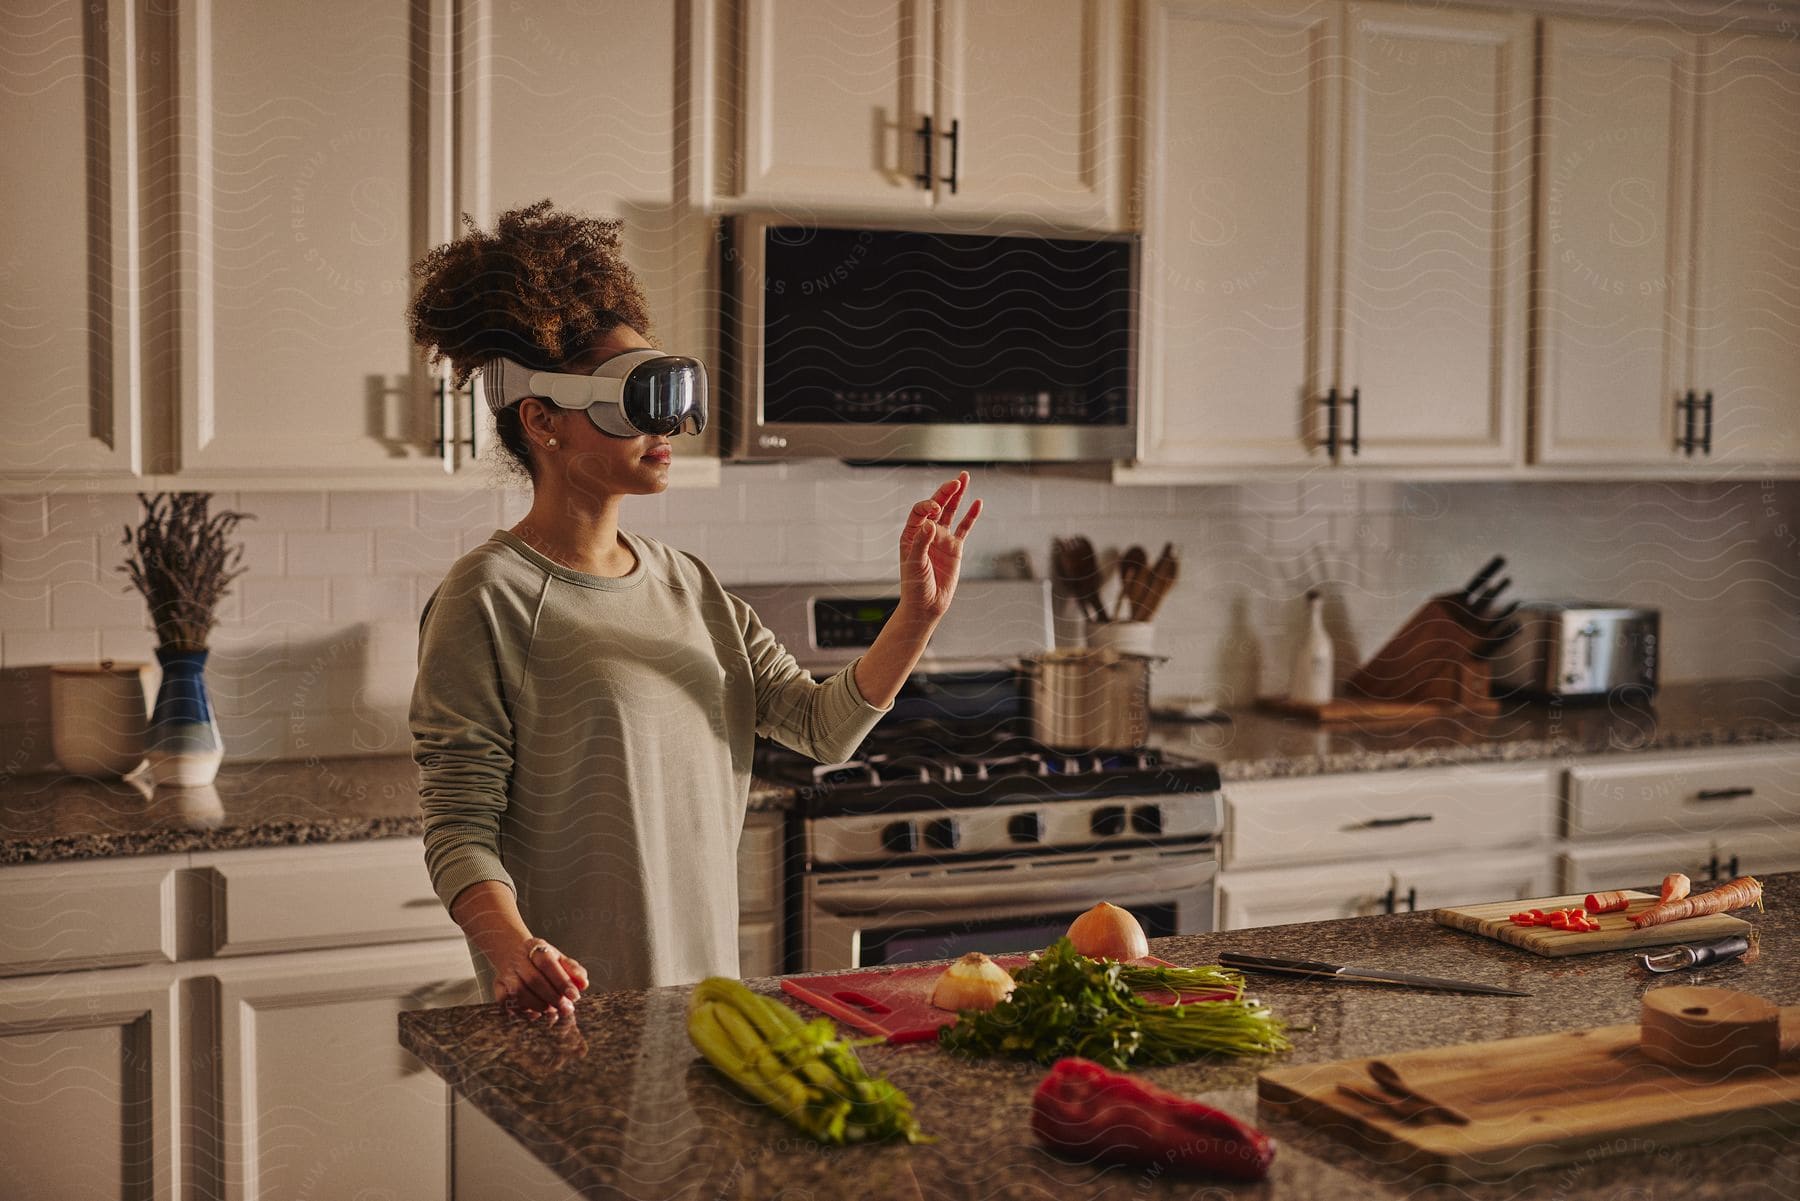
[(417, 552), (365, 511), (285, 599), (458, 510), (82, 604), (24, 606), (343, 552), (19, 648), (22, 518), (54, 559), (278, 511), (371, 598), (108, 513), (128, 644)]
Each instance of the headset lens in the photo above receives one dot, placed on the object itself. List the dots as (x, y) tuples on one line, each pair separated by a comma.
[(663, 394)]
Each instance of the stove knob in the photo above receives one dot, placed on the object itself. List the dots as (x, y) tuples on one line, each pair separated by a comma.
[(1025, 827), (1108, 820), (943, 833), (902, 838), (1147, 819)]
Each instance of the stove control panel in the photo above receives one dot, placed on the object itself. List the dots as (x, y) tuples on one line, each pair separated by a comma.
[(874, 838)]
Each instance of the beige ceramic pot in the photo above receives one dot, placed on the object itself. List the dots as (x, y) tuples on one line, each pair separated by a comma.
[(98, 716)]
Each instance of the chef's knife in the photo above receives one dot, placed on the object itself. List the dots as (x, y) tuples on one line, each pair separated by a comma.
[(1364, 975)]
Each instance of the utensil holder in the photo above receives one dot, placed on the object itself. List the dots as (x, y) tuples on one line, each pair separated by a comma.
[(1125, 637)]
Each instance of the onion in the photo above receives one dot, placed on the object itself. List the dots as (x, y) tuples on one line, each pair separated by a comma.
[(1109, 932), (972, 982)]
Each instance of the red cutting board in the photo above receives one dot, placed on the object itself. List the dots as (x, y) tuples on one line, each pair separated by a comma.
[(896, 1004)]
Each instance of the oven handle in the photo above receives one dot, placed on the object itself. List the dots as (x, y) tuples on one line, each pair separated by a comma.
[(849, 901)]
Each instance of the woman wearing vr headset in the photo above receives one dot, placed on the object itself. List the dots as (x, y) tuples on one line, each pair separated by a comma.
[(588, 697)]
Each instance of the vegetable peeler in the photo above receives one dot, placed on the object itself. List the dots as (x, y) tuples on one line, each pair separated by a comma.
[(1679, 959)]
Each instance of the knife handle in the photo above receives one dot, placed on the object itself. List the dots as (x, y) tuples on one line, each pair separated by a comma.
[(1718, 952), (1263, 963)]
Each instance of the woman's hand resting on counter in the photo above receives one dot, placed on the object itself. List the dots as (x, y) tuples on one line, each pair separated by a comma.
[(530, 975)]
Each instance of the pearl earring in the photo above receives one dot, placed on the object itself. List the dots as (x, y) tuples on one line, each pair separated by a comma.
[(550, 442)]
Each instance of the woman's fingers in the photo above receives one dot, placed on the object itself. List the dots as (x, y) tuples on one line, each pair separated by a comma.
[(576, 972), (968, 521)]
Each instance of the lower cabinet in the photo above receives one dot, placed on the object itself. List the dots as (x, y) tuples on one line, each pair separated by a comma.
[(1279, 896), (1707, 859), (317, 1097), (492, 1165)]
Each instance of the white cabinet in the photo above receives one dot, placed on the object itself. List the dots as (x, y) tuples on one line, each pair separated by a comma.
[(1666, 311), (1747, 223), (761, 903), (319, 1098), (66, 917), (1692, 792), (1400, 884), (1336, 234), (72, 340), (997, 107), (1706, 859), (90, 1097)]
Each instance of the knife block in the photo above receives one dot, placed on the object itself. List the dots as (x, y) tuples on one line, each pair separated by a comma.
[(1434, 659)]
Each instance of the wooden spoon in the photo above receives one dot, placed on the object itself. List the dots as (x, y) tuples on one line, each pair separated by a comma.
[(1087, 573), (1134, 567), (1162, 577)]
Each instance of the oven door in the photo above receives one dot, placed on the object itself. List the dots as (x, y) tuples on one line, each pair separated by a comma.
[(909, 914)]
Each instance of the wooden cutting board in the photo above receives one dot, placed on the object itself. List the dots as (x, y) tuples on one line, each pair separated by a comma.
[(896, 1004), (1537, 1101), (1616, 932)]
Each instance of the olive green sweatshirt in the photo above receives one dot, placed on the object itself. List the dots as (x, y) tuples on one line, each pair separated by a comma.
[(586, 740)]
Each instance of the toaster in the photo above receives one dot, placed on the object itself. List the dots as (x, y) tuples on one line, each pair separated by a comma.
[(1572, 649)]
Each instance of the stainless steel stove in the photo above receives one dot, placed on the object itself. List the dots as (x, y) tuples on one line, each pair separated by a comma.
[(951, 829)]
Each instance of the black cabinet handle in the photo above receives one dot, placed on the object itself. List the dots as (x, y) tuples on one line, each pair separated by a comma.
[(955, 136), (1731, 869), (1706, 428), (1685, 406), (923, 176), (1331, 422), (1412, 900), (1355, 421), (1386, 823), (1387, 900), (1723, 794)]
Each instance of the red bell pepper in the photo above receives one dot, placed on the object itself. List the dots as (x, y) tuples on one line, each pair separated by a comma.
[(1091, 1113)]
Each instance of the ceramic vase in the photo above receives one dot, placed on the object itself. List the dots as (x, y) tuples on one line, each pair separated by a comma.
[(183, 747)]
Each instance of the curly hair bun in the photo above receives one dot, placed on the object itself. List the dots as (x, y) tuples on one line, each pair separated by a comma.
[(538, 289)]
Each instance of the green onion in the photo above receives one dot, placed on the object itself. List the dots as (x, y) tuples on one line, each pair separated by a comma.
[(802, 1070), (1067, 1004)]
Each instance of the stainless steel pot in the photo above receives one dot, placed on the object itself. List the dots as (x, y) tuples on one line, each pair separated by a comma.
[(1085, 699)]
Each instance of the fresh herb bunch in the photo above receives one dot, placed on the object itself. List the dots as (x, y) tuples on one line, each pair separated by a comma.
[(800, 1069), (1067, 1004), (182, 561)]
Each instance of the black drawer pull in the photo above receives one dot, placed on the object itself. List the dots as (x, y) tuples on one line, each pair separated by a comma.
[(1723, 794), (1387, 823)]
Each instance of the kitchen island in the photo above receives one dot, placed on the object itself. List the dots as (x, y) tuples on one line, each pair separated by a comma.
[(619, 1104)]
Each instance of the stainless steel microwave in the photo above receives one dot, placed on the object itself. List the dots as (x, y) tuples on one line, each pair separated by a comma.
[(891, 345)]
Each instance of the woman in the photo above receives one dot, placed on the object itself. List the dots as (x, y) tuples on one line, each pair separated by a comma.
[(588, 697)]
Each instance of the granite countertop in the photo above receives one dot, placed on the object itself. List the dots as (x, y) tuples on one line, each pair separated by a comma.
[(49, 817), (619, 1103), (1256, 745), (45, 818)]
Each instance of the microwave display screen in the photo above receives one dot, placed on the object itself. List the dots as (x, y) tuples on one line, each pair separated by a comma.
[(873, 326)]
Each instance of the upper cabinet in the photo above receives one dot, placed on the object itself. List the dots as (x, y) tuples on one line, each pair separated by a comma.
[(981, 107), (1336, 236), (72, 336), (313, 165), (1669, 223)]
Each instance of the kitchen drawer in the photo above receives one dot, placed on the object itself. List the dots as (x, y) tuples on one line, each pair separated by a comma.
[(1707, 860), (103, 913), (759, 949), (759, 865), (1387, 814), (298, 898), (1279, 896), (1689, 793)]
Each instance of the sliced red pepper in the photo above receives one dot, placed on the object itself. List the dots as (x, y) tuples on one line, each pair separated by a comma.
[(1091, 1113)]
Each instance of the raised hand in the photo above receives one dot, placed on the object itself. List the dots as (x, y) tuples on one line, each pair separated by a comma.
[(931, 552)]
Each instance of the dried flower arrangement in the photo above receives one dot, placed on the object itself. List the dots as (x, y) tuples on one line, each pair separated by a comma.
[(183, 561)]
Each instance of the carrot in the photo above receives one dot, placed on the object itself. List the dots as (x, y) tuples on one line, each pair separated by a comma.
[(1607, 902), (1741, 893), (1675, 886)]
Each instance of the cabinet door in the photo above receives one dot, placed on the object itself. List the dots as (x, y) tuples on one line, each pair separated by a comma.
[(1437, 219), (1613, 220), (833, 93), (1027, 112), (1276, 897), (319, 1098), (1240, 170), (1747, 290), (579, 103), (1477, 879), (88, 1103), (313, 174), (68, 246)]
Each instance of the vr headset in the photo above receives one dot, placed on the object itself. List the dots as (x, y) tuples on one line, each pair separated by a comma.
[(638, 392)]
